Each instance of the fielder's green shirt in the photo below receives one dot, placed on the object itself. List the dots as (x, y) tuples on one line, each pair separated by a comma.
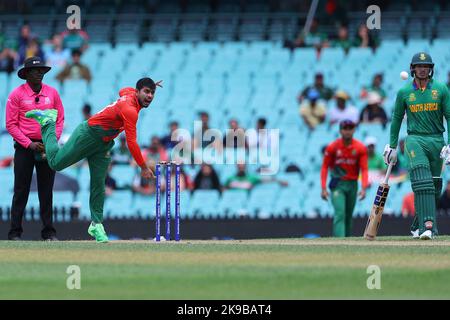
[(425, 110)]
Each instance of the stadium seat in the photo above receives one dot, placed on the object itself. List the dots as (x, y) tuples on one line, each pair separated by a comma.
[(204, 203), (118, 205)]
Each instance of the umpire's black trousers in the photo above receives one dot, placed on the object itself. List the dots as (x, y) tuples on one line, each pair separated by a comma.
[(24, 162)]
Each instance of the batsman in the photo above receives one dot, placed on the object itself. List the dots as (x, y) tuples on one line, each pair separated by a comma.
[(426, 103)]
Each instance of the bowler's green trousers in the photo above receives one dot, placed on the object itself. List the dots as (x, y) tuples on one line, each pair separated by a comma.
[(343, 198), (83, 143)]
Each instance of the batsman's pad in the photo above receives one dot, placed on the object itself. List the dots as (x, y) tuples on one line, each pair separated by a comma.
[(424, 195)]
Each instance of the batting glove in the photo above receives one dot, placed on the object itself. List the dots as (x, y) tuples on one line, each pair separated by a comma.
[(390, 155), (445, 154)]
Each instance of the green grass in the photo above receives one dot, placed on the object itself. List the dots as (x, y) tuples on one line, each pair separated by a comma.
[(256, 269)]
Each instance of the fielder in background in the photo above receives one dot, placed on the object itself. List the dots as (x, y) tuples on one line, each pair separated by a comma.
[(346, 157), (426, 103), (93, 139)]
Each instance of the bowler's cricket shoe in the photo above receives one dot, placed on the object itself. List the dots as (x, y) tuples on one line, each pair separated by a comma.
[(43, 116), (98, 232), (426, 235), (415, 234)]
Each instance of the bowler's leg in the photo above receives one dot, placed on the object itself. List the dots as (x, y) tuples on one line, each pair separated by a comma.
[(98, 168), (79, 146)]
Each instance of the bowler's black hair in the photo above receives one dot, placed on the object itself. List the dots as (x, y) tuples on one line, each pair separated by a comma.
[(145, 82)]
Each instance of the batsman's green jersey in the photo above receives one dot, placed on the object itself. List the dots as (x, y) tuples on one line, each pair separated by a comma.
[(426, 110)]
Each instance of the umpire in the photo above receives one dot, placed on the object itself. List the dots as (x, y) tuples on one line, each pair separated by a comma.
[(29, 149)]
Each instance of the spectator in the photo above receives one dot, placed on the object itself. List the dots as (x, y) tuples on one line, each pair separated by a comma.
[(171, 140), (145, 186), (234, 136), (408, 209), (207, 179), (365, 39), (75, 70), (110, 182), (342, 111), (343, 41), (314, 38), (32, 49), (375, 160), (313, 111), (245, 181), (325, 92), (8, 58), (185, 181), (444, 200), (75, 39), (121, 154), (292, 167), (25, 37), (204, 118), (373, 112), (86, 111), (58, 57), (377, 82), (262, 137), (155, 151)]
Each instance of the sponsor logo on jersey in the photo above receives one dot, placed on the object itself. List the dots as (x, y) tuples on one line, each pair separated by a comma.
[(412, 153), (432, 106), (412, 97), (434, 94)]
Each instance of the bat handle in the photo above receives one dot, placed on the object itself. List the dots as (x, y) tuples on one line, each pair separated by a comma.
[(388, 173)]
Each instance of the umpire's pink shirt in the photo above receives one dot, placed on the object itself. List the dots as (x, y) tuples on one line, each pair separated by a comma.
[(22, 100)]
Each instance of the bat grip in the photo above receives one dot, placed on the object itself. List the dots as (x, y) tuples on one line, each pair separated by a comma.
[(388, 173)]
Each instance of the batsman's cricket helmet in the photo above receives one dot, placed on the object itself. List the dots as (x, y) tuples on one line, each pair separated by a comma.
[(421, 58)]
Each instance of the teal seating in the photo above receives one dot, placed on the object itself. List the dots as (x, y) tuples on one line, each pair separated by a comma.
[(123, 174), (232, 203), (229, 80), (261, 200), (118, 205), (204, 203), (6, 200)]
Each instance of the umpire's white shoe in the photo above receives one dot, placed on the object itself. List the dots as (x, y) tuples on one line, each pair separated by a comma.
[(415, 234), (426, 235)]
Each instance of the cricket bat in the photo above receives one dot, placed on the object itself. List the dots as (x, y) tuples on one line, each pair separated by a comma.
[(378, 206)]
